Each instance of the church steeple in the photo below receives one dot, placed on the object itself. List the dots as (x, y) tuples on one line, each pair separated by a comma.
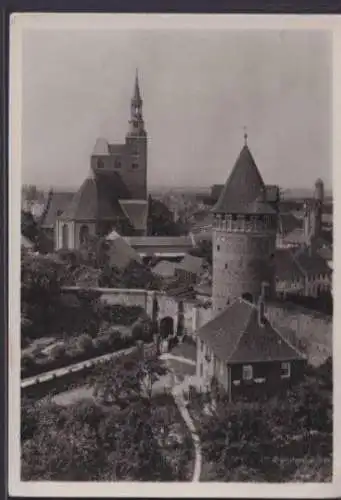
[(136, 123)]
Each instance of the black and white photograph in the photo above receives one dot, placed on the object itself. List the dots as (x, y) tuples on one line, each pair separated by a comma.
[(171, 253)]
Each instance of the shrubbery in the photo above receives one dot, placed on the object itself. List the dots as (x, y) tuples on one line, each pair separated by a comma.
[(84, 347), (273, 440)]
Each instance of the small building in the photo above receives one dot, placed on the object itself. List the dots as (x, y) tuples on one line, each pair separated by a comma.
[(163, 247), (245, 354)]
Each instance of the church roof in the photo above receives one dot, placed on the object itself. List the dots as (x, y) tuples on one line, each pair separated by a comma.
[(235, 336), (55, 205), (84, 203), (101, 147), (244, 191), (136, 211)]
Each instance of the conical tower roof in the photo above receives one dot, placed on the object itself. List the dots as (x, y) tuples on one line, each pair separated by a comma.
[(244, 191)]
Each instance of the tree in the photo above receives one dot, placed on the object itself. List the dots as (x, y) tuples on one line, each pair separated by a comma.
[(203, 250), (41, 280), (268, 441)]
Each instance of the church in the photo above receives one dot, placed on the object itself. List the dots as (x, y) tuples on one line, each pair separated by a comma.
[(114, 195)]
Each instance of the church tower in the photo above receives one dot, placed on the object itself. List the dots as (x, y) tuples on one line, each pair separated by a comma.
[(136, 143), (244, 236)]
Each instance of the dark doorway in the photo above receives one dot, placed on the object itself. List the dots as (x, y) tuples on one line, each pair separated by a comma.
[(248, 297), (166, 327)]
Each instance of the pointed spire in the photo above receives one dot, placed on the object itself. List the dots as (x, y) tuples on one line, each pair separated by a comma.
[(137, 93)]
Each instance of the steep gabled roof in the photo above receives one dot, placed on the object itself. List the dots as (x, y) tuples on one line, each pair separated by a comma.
[(56, 204), (136, 211), (235, 336), (84, 203), (244, 191)]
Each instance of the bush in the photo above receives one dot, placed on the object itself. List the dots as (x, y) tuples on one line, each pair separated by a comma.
[(27, 362), (84, 343), (58, 352)]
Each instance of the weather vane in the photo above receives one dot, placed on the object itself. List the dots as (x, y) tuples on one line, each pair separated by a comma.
[(245, 135)]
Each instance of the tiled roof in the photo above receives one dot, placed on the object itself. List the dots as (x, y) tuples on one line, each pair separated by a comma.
[(56, 204), (286, 267), (311, 262), (120, 252), (84, 203), (160, 241), (235, 336), (244, 191), (165, 268), (98, 197), (191, 264), (136, 211), (296, 237)]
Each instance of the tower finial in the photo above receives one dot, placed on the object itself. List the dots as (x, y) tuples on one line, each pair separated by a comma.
[(137, 93), (245, 136)]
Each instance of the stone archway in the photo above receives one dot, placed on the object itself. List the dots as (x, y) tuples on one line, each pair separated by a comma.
[(166, 327)]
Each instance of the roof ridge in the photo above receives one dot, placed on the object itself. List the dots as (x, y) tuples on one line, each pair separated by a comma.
[(243, 332), (285, 340)]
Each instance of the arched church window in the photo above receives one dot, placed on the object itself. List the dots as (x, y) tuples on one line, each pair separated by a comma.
[(83, 233), (65, 236)]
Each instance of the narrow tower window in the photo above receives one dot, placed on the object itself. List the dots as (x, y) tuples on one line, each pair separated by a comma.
[(135, 166), (100, 163)]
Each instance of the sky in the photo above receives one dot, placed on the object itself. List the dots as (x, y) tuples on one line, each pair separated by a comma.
[(200, 89)]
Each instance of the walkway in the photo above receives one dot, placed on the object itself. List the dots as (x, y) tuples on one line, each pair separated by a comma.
[(60, 372), (177, 393), (181, 359)]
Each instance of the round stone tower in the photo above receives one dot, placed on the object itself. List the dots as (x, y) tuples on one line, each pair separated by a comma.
[(244, 235)]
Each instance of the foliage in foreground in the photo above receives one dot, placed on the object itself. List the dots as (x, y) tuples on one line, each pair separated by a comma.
[(287, 439), (123, 435)]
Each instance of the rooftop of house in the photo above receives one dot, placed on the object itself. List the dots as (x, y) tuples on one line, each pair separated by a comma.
[(120, 253), (191, 264), (238, 336), (311, 262), (165, 268)]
